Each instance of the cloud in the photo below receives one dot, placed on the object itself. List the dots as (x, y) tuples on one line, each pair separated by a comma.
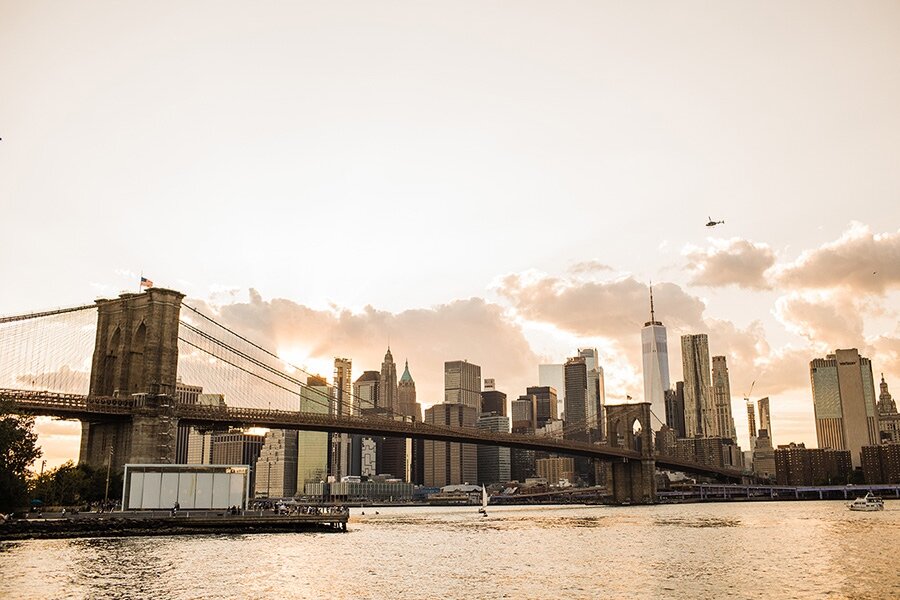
[(590, 266), (859, 261), (611, 309), (730, 262), (471, 329), (826, 319)]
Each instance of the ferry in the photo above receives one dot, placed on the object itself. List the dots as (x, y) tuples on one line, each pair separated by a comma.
[(868, 503)]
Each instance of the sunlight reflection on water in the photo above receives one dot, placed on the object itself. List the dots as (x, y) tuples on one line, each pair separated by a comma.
[(794, 550)]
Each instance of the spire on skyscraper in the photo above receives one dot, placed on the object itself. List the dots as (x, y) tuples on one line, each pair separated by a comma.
[(406, 376), (652, 320)]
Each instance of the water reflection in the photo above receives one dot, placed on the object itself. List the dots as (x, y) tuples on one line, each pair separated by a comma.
[(742, 550)]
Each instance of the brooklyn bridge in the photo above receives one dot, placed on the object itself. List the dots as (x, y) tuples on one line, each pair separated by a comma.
[(113, 365)]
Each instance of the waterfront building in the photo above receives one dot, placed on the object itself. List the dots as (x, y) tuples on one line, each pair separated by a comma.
[(313, 447), (494, 462), (881, 464), (764, 456), (450, 463), (276, 467), (723, 421), (843, 392), (655, 352), (698, 407), (675, 409), (493, 401), (462, 384), (236, 448), (888, 417), (797, 465), (556, 470), (371, 490), (406, 394), (712, 451)]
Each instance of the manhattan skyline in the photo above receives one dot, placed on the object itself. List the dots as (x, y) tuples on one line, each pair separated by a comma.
[(526, 176)]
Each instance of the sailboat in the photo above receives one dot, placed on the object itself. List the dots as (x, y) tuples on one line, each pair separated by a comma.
[(484, 501)]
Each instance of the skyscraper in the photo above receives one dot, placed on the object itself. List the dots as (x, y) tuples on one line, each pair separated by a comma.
[(449, 463), (276, 467), (493, 401), (843, 392), (388, 387), (554, 376), (888, 417), (342, 405), (654, 347), (312, 446), (675, 409), (765, 421), (576, 399), (546, 403), (365, 392), (406, 394), (751, 423), (493, 461), (596, 392), (462, 384), (723, 424), (698, 409)]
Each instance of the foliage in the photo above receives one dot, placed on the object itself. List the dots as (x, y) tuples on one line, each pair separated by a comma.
[(18, 450), (73, 485)]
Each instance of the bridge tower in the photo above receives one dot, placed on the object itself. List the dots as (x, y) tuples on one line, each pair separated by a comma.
[(135, 352), (628, 426)]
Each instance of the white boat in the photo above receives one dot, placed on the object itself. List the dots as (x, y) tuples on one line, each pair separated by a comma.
[(869, 502), (484, 501)]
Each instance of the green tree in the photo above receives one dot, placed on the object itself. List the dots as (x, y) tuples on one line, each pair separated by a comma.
[(71, 485), (18, 450)]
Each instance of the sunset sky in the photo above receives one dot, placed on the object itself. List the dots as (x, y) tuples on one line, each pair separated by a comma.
[(493, 181)]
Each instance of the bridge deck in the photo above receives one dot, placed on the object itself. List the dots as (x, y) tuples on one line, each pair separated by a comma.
[(69, 406)]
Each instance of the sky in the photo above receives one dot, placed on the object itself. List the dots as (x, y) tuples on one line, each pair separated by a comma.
[(493, 181)]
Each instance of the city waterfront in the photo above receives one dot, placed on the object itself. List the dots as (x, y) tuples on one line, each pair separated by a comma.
[(738, 550)]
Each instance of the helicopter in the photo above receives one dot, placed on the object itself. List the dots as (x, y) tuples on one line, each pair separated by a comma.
[(714, 223)]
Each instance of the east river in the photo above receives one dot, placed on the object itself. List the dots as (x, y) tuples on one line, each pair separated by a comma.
[(734, 550)]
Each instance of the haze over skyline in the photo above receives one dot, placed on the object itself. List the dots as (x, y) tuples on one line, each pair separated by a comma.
[(496, 182)]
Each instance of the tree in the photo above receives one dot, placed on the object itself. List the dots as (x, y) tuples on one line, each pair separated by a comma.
[(71, 485), (18, 450)]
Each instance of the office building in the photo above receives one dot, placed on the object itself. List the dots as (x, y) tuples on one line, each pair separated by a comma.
[(494, 462), (450, 463), (184, 394), (556, 470), (723, 422), (764, 456), (276, 467), (698, 406), (554, 376), (236, 448), (751, 423), (596, 393), (675, 410), (547, 403), (888, 417), (314, 447), (342, 404), (654, 348), (577, 427), (406, 394), (493, 401), (388, 385), (843, 392), (462, 384)]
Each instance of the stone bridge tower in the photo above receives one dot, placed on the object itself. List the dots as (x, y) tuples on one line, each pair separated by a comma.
[(633, 480), (135, 352)]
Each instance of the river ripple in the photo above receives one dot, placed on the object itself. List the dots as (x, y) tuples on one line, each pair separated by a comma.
[(735, 550)]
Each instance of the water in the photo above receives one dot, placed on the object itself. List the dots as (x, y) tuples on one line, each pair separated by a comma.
[(738, 550)]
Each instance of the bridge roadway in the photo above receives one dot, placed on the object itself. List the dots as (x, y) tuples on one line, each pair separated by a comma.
[(73, 406)]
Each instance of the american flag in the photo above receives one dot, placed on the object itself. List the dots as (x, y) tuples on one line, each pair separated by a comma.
[(146, 283)]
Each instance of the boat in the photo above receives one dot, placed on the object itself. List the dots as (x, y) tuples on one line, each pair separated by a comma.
[(484, 501), (869, 502)]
